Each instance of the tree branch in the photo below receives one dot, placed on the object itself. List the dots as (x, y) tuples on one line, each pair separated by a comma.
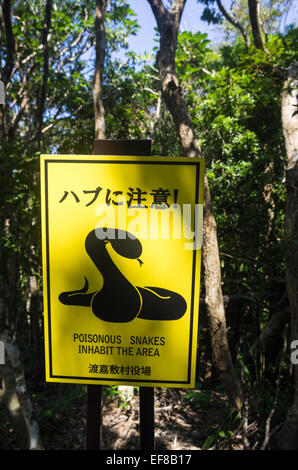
[(156, 93), (74, 42), (233, 21), (64, 118), (269, 419), (160, 12), (177, 10)]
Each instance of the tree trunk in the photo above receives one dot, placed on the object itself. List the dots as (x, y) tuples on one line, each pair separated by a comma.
[(168, 23), (99, 112), (15, 399), (215, 305), (44, 86), (255, 21), (10, 41), (288, 435)]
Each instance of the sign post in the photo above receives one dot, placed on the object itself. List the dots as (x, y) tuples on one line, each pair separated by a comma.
[(94, 392), (122, 240)]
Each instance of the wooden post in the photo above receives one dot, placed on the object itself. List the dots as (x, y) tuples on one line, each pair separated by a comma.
[(122, 147), (94, 392)]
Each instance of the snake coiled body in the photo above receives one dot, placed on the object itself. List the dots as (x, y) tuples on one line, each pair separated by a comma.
[(119, 300)]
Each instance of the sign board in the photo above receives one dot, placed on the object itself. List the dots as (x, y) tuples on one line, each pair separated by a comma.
[(121, 241)]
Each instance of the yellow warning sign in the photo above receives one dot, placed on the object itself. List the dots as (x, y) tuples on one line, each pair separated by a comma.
[(121, 240)]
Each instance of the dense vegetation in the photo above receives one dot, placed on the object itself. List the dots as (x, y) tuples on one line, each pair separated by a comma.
[(233, 91)]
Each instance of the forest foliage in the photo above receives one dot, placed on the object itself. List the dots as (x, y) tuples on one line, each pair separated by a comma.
[(233, 91)]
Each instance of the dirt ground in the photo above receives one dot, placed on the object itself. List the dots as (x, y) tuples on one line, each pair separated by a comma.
[(178, 424), (184, 420)]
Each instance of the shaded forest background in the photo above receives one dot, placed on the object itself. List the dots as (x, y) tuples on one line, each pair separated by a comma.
[(64, 87)]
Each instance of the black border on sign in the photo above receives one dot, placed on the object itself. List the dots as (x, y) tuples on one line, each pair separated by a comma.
[(96, 379)]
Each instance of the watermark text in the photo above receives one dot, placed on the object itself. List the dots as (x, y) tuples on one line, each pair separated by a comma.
[(2, 353), (177, 222), (2, 92), (294, 353)]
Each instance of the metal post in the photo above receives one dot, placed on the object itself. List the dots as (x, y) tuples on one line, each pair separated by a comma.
[(94, 392), (147, 418), (93, 431)]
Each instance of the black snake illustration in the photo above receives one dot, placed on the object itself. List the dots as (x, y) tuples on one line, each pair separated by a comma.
[(118, 300)]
